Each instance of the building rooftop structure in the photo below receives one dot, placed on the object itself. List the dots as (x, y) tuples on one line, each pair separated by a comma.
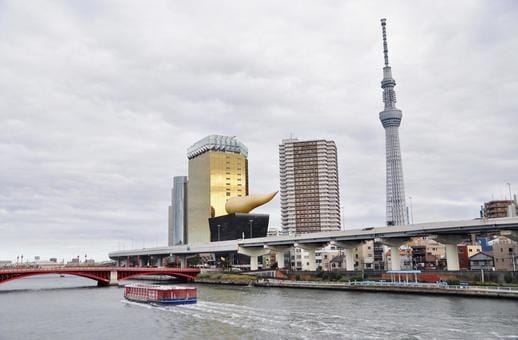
[(499, 208), (217, 143)]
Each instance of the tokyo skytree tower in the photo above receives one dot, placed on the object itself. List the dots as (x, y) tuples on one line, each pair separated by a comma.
[(391, 119)]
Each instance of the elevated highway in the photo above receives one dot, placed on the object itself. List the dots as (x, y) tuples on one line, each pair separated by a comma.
[(449, 233)]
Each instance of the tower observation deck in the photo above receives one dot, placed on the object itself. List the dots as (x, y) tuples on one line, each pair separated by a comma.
[(391, 119)]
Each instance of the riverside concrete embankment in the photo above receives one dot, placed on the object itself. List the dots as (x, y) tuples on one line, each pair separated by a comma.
[(390, 287), (374, 286)]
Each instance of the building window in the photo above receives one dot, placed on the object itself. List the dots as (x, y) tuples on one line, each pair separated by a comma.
[(228, 193)]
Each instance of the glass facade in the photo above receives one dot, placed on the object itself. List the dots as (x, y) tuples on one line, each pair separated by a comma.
[(228, 178), (218, 170)]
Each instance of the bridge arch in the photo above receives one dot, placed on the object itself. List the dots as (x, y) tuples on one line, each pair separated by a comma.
[(103, 275), (17, 276)]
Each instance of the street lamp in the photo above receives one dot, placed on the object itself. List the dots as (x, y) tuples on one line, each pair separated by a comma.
[(251, 222), (219, 232)]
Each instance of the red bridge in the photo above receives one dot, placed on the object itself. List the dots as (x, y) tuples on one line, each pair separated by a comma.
[(103, 275)]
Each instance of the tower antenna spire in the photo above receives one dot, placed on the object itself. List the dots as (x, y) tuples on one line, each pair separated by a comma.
[(385, 46)]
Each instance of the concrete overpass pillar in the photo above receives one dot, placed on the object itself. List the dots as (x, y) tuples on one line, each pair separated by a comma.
[(279, 254), (395, 259), (394, 244), (254, 262), (254, 254), (450, 242), (279, 258), (349, 259), (349, 254), (452, 257), (113, 278), (183, 261)]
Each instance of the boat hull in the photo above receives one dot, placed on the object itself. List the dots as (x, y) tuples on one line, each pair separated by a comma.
[(173, 302), (160, 294)]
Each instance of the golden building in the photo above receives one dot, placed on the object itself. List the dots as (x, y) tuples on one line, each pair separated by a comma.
[(218, 170)]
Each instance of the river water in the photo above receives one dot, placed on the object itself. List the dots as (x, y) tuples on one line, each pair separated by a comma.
[(53, 307)]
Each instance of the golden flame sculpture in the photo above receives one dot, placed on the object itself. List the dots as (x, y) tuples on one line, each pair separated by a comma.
[(247, 203)]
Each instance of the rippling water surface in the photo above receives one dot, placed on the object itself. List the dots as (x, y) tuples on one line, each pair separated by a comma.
[(50, 307)]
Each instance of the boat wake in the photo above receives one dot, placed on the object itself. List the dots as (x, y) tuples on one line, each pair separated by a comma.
[(286, 324)]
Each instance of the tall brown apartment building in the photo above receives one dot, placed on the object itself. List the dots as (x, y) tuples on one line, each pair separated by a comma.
[(310, 197)]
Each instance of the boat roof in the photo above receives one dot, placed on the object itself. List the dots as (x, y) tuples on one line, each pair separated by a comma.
[(157, 287)]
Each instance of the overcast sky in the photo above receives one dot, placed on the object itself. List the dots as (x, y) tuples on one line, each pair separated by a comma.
[(99, 101)]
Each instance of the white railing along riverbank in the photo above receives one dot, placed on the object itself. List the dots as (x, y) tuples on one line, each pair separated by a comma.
[(411, 287)]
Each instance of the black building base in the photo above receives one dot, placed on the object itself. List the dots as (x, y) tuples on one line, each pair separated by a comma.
[(236, 226)]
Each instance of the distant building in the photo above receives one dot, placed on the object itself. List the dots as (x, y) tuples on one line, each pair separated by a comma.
[(218, 170), (324, 258), (427, 253), (365, 254), (369, 255), (481, 261), (505, 254), (178, 212), (338, 263), (465, 251), (379, 257), (500, 208), (418, 256), (310, 198), (5, 263)]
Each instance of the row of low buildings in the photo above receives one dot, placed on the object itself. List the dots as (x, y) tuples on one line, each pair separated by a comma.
[(499, 253)]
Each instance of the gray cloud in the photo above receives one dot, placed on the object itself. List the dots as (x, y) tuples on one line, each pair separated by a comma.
[(101, 99)]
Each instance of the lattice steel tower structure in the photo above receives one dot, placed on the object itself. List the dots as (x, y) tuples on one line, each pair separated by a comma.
[(391, 119)]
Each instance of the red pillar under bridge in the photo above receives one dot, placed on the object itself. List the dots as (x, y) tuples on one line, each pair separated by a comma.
[(104, 276)]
